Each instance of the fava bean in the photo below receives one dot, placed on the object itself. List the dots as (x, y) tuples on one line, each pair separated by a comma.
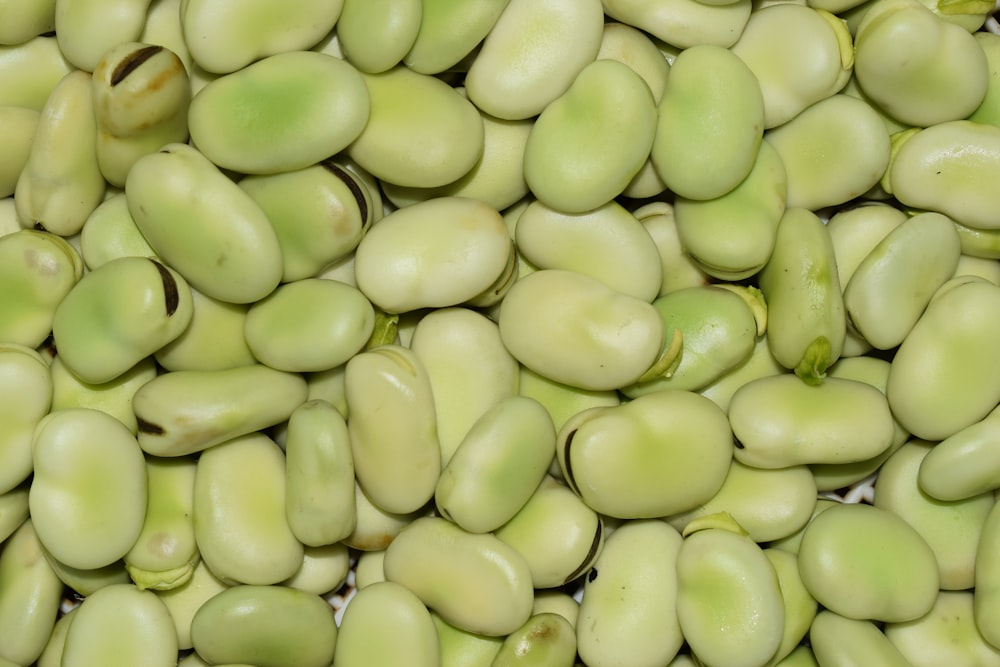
[(421, 145), (120, 625), (319, 475), (118, 314), (705, 147), (573, 329), (88, 495), (946, 635), (441, 564), (629, 603), (269, 138), (805, 305), (918, 67), (948, 168), (545, 640), (893, 572), (450, 31), (459, 648), (556, 533), (587, 145), (184, 412), (382, 608), (498, 466), (274, 626), (659, 454), (184, 601), (397, 462), (240, 520), (30, 593), (768, 504), (469, 368), (732, 237), (324, 569), (27, 398), (400, 263), (607, 243), (800, 55), (532, 54), (839, 641), (952, 529), (165, 553), (942, 378), (729, 601), (226, 37)]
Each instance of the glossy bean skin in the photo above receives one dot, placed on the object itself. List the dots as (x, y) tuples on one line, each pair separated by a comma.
[(799, 56), (380, 607), (272, 138), (947, 633), (319, 471), (121, 625), (499, 464), (901, 43), (629, 599), (39, 270), (544, 639), (806, 316), (576, 161), (732, 236), (520, 69), (89, 493), (724, 576), (441, 563), (842, 641), (203, 225), (118, 315), (770, 504), (769, 416), (27, 393), (600, 243), (893, 570), (239, 512), (947, 349), (398, 463), (275, 626), (952, 529), (962, 193), (692, 142), (556, 533), (184, 412), (30, 593), (333, 323), (226, 37), (878, 304), (165, 553), (399, 264), (425, 145), (469, 368), (962, 465), (570, 305), (619, 458)]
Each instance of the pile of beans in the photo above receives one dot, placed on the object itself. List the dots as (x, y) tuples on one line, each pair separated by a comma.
[(634, 333)]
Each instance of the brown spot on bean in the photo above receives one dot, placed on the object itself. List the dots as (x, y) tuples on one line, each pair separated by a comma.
[(171, 297)]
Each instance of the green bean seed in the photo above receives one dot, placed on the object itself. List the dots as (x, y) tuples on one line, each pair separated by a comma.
[(274, 626), (376, 612), (892, 570), (89, 494)]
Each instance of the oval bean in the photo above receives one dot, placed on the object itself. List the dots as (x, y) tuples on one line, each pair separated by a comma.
[(475, 582), (76, 453), (274, 626)]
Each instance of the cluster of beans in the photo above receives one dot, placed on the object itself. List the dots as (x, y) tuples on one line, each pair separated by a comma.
[(562, 331)]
